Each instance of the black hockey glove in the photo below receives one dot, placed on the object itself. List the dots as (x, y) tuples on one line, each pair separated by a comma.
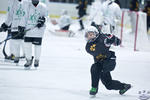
[(111, 39), (41, 22), (21, 30), (117, 41), (4, 27)]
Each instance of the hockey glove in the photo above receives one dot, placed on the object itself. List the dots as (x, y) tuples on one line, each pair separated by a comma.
[(21, 30), (41, 22), (4, 27), (111, 39), (117, 41)]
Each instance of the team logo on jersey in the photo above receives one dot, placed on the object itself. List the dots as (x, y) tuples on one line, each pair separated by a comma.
[(8, 9), (20, 12), (34, 17), (92, 48), (101, 56)]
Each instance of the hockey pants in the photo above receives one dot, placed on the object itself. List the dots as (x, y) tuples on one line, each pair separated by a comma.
[(97, 74)]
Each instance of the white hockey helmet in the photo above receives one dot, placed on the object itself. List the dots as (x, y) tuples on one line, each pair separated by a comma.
[(91, 33), (64, 12)]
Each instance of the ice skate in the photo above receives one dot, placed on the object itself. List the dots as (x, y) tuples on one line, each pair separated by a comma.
[(16, 60), (11, 57), (36, 63), (126, 88), (93, 92), (28, 64)]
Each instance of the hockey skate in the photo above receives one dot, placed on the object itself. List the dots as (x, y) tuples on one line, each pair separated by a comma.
[(16, 60), (93, 92), (126, 88), (11, 57), (36, 63), (28, 64)]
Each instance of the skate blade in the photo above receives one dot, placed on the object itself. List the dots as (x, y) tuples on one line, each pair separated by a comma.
[(27, 68), (36, 68), (92, 96), (17, 64)]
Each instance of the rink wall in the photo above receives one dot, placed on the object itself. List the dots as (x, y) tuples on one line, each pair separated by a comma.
[(3, 6), (53, 8)]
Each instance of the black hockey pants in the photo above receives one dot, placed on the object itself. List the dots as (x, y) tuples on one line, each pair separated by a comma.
[(97, 74)]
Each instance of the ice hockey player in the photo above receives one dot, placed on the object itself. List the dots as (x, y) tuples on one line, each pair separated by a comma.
[(65, 20), (95, 13), (82, 7), (147, 10), (98, 45), (5, 26), (16, 13), (35, 20), (111, 15), (134, 7)]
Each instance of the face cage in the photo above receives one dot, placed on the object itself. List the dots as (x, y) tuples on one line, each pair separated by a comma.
[(92, 39)]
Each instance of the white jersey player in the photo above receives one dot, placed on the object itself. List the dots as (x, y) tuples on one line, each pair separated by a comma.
[(111, 14), (5, 27), (17, 11), (64, 21), (95, 13), (35, 20)]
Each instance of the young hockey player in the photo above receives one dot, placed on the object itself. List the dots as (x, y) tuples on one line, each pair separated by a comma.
[(98, 45), (35, 20), (16, 12)]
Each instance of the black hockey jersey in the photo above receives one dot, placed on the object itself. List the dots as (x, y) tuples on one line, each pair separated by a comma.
[(99, 48)]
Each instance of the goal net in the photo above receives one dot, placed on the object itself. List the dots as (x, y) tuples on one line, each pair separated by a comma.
[(133, 30)]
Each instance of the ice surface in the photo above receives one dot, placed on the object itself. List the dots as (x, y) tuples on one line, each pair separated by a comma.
[(64, 73)]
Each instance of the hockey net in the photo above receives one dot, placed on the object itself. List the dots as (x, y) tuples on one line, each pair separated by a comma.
[(133, 31)]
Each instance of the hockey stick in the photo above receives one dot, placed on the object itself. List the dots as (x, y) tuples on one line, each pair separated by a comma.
[(4, 53), (8, 38), (1, 29)]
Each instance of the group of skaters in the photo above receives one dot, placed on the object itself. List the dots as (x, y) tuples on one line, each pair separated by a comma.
[(27, 23)]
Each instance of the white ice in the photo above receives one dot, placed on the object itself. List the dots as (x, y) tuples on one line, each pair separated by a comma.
[(64, 73)]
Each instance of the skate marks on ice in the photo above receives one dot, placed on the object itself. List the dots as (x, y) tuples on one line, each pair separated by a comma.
[(113, 96), (6, 66), (13, 67), (62, 93), (101, 95)]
